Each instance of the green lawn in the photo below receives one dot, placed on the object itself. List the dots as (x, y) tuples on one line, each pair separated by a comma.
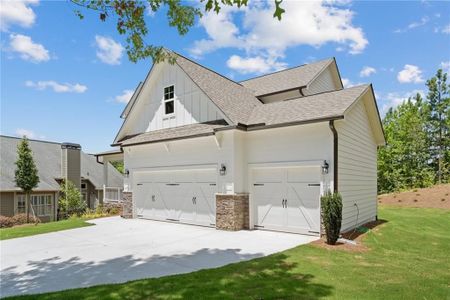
[(31, 229), (408, 259)]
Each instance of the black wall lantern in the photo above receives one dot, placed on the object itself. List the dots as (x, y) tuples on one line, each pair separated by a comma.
[(325, 167), (223, 170), (126, 173)]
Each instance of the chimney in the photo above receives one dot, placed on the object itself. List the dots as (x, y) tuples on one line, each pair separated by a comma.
[(71, 163)]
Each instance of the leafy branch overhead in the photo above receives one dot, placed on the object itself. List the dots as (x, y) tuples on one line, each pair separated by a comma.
[(130, 20)]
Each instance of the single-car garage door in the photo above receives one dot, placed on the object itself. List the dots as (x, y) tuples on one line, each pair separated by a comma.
[(186, 196), (287, 199)]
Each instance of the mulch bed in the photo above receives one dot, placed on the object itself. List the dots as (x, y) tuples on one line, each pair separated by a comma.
[(357, 235)]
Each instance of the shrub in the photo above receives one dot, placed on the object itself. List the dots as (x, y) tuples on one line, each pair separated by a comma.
[(6, 222), (22, 219), (70, 201), (332, 216), (19, 219)]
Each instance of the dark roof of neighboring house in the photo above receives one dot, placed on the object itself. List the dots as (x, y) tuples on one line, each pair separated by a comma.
[(47, 156), (315, 107), (285, 79), (235, 101), (174, 133)]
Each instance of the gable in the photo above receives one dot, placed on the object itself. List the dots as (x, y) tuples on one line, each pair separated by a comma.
[(191, 104), (326, 81)]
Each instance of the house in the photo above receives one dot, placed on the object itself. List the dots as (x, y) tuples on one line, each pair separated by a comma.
[(200, 148), (55, 162)]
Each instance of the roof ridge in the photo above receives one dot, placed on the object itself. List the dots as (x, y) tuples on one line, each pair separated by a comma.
[(31, 140), (287, 69), (209, 69)]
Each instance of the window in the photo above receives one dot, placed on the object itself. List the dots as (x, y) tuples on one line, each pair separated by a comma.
[(169, 97), (42, 205), (83, 186), (20, 204)]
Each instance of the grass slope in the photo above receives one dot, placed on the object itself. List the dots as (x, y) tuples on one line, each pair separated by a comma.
[(408, 259), (31, 229)]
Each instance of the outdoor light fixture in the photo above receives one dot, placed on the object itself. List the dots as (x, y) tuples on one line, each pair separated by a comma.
[(223, 170), (127, 173), (325, 167)]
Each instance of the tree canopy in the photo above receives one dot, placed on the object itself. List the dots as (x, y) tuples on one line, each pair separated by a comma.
[(417, 151), (129, 17)]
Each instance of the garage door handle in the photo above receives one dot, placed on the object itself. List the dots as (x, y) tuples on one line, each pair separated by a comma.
[(258, 184), (282, 203), (194, 200), (172, 184), (313, 184)]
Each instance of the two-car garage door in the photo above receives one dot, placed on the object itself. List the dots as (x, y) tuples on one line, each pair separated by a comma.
[(287, 198), (186, 196)]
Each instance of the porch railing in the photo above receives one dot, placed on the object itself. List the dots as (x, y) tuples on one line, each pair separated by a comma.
[(112, 194)]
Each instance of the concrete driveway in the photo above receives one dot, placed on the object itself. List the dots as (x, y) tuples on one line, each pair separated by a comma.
[(117, 250)]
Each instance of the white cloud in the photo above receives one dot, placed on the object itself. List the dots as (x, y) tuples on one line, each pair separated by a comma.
[(124, 97), (108, 51), (255, 64), (410, 74), (57, 87), (17, 12), (446, 29), (348, 83), (394, 99), (367, 71), (21, 132), (445, 66), (28, 49), (423, 21), (313, 23)]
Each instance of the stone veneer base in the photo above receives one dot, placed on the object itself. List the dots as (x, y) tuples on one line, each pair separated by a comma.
[(232, 212), (127, 205)]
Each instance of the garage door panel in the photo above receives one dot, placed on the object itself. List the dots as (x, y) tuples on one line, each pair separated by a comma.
[(205, 203), (187, 196), (303, 206), (287, 199)]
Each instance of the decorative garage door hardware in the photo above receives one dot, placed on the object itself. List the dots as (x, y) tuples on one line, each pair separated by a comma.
[(172, 184), (313, 184), (258, 184), (284, 203)]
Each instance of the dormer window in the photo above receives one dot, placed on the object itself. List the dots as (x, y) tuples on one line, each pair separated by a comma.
[(169, 100)]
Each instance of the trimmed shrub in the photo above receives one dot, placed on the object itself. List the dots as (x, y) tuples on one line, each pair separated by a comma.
[(22, 219), (6, 222), (331, 216), (15, 220)]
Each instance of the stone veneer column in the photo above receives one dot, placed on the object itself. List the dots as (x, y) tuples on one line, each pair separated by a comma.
[(232, 212), (127, 205)]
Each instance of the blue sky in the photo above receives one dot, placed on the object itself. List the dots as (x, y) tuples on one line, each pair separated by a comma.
[(66, 79)]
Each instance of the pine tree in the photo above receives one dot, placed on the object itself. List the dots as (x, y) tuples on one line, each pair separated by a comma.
[(438, 124), (26, 174)]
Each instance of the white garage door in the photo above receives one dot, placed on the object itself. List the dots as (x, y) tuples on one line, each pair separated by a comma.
[(287, 199), (186, 196)]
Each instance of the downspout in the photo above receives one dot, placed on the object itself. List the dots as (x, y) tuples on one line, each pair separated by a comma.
[(335, 155)]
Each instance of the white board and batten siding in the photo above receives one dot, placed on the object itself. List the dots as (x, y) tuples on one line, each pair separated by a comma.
[(191, 104), (357, 167)]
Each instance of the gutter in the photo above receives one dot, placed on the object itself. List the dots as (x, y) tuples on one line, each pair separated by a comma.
[(335, 155)]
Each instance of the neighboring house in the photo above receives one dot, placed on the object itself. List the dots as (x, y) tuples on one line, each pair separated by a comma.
[(200, 148), (55, 162)]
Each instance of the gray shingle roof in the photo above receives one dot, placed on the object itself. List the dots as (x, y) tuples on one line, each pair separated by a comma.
[(315, 107), (235, 101), (47, 156), (186, 131), (285, 79)]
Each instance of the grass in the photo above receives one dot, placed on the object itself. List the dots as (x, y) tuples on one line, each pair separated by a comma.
[(408, 259), (31, 229)]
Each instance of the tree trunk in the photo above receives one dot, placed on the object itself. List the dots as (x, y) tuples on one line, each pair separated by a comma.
[(27, 196)]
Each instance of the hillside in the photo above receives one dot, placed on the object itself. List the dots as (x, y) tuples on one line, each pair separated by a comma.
[(437, 196)]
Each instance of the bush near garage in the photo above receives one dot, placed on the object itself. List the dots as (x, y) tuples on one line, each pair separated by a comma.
[(15, 220), (331, 216)]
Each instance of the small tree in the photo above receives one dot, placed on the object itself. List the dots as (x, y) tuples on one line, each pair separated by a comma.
[(332, 216), (70, 201), (26, 174)]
